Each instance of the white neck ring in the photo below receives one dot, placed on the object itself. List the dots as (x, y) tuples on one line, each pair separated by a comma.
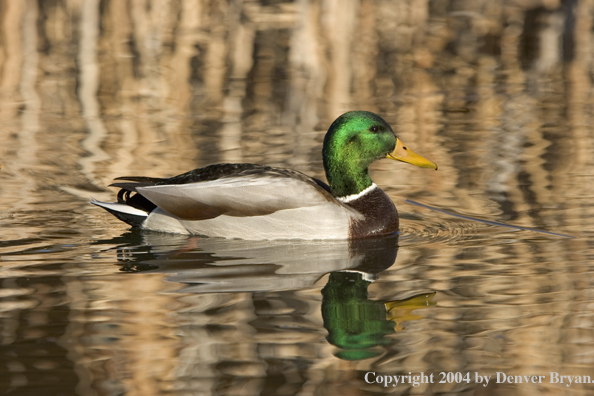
[(352, 197)]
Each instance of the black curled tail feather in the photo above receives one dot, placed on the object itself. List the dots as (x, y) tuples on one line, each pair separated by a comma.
[(136, 201), (128, 194)]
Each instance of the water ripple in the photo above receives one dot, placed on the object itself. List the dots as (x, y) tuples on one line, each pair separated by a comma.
[(449, 231)]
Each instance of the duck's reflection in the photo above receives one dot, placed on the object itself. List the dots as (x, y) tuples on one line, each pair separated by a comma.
[(357, 325)]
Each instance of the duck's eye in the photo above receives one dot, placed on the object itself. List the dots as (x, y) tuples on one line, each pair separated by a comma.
[(373, 128)]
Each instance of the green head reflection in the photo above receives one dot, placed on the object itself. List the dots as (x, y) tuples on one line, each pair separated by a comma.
[(356, 324)]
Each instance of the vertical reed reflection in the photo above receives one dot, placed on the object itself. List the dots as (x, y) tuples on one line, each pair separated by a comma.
[(88, 88), (163, 87)]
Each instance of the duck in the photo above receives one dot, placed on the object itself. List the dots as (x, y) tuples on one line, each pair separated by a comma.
[(259, 202)]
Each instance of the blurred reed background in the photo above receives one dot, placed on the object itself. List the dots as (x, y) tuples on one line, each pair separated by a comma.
[(497, 92)]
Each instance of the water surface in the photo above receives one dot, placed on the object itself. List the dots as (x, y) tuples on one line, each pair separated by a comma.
[(497, 94)]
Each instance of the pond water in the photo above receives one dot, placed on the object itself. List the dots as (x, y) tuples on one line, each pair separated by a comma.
[(498, 94)]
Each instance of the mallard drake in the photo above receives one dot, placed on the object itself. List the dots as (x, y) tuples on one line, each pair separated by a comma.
[(249, 201)]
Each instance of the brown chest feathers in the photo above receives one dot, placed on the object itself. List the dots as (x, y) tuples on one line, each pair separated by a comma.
[(380, 215)]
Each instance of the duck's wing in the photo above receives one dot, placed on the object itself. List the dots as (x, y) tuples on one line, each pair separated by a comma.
[(233, 190), (214, 172)]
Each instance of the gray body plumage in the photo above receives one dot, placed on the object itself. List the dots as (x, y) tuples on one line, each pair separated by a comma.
[(243, 201)]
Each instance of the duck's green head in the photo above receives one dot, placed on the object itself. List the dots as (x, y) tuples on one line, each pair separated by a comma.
[(354, 141)]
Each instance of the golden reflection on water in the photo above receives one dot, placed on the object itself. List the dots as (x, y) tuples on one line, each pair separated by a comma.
[(497, 93)]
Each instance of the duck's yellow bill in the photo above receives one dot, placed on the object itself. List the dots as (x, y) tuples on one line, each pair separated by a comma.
[(404, 154)]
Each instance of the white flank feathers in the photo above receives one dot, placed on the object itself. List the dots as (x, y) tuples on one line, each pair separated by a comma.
[(249, 207)]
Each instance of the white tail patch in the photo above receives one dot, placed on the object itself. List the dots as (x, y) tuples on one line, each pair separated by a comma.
[(118, 207)]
